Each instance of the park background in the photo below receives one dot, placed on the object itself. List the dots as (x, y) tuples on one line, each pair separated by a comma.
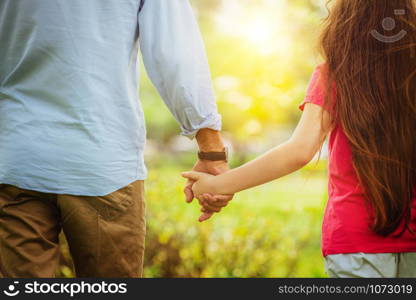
[(261, 54)]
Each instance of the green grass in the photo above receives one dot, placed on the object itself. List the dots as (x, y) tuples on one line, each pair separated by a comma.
[(270, 231)]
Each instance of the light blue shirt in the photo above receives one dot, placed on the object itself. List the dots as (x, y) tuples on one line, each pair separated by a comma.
[(70, 119)]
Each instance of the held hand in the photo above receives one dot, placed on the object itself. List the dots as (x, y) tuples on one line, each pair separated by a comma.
[(213, 203), (203, 183), (209, 167), (209, 140)]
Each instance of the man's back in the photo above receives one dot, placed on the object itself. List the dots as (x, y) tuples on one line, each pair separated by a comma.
[(67, 87), (70, 120), (71, 126)]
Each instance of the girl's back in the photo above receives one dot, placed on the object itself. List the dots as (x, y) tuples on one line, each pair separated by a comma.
[(368, 85), (348, 220), (375, 100)]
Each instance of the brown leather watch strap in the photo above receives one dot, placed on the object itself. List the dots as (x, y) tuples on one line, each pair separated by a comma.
[(213, 156)]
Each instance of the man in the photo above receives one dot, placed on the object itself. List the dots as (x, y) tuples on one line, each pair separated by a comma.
[(72, 131)]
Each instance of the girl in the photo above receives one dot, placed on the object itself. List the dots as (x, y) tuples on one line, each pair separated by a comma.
[(364, 97)]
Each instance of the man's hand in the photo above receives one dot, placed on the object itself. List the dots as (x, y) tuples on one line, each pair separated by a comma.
[(213, 203), (210, 167), (208, 141)]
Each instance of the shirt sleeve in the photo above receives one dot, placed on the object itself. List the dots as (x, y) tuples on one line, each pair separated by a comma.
[(175, 59), (316, 90)]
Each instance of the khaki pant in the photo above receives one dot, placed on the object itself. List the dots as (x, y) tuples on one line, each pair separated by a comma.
[(105, 234), (365, 265)]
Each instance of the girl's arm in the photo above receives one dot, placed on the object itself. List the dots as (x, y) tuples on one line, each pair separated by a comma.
[(286, 158)]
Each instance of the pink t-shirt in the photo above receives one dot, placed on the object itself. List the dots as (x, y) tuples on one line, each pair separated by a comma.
[(347, 218)]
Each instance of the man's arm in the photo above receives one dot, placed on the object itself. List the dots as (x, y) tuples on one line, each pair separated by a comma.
[(175, 59), (208, 141)]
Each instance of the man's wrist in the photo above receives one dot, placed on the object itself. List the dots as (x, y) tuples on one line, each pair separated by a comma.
[(214, 156), (209, 140)]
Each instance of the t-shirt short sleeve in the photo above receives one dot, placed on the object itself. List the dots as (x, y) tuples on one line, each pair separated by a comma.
[(316, 90)]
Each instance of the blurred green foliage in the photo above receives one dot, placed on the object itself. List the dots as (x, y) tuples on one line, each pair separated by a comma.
[(261, 55), (269, 231)]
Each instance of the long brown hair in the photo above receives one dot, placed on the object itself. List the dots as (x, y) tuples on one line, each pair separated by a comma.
[(374, 71)]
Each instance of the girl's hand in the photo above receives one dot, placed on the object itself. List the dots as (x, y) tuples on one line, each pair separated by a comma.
[(204, 183), (204, 186)]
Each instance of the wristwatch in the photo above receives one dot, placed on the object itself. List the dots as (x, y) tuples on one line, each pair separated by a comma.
[(214, 156)]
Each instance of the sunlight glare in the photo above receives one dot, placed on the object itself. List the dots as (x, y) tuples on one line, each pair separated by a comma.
[(259, 33), (262, 26)]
